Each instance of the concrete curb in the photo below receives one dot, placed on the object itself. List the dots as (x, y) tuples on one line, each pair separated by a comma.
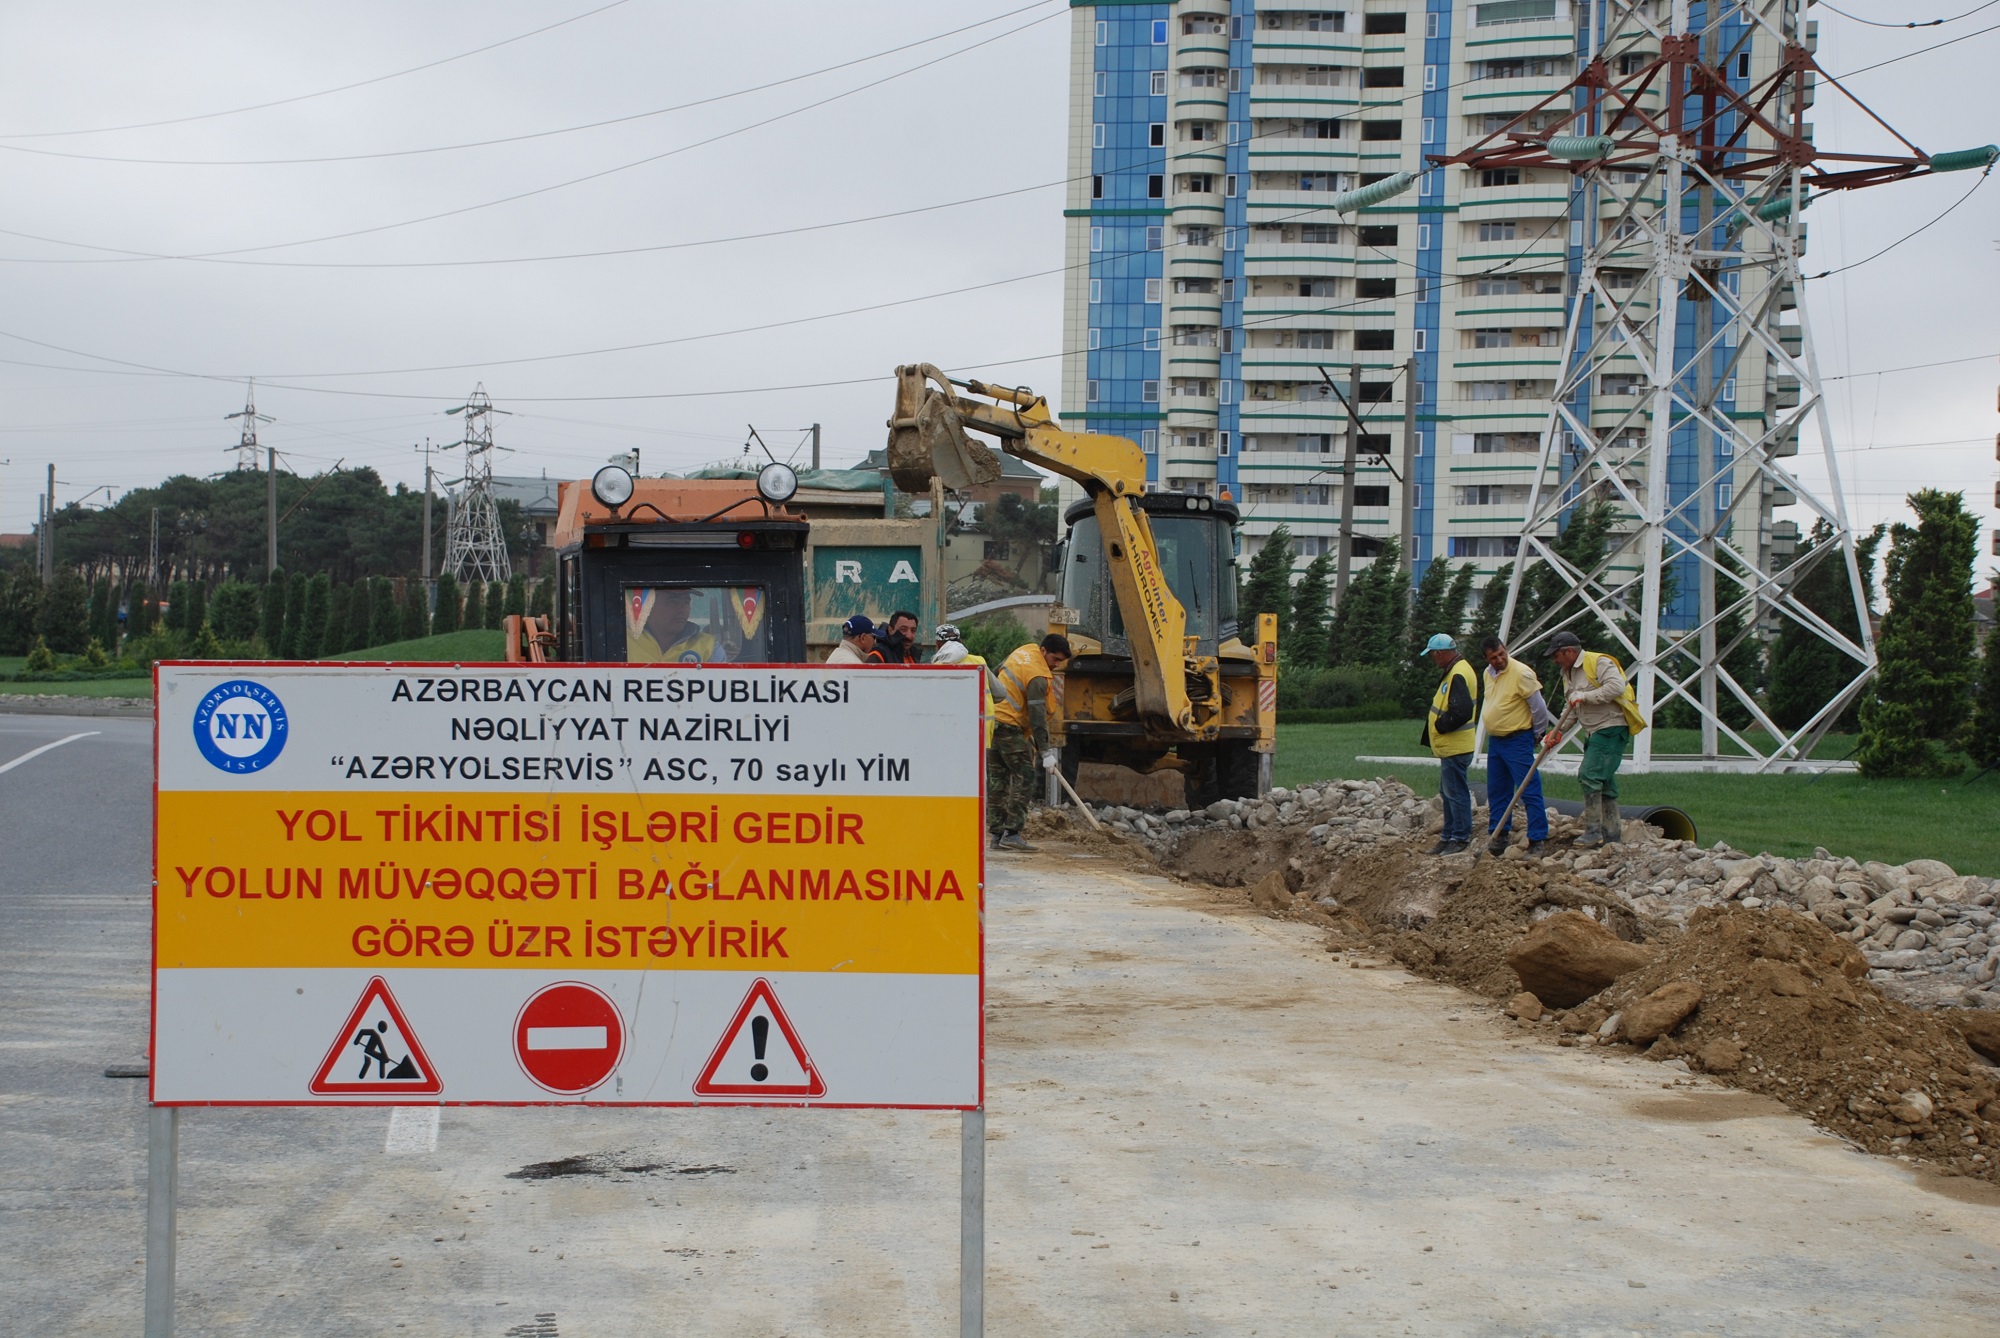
[(25, 703)]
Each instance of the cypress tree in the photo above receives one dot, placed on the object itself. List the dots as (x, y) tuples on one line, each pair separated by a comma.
[(446, 609), (318, 611), (1806, 671), (1486, 613), (295, 615), (62, 619), (333, 639), (543, 602), (177, 606), (496, 599), (271, 620), (136, 610), (20, 596), (384, 618), (1918, 718), (517, 597), (1268, 586), (475, 606), (103, 615), (1307, 643), (416, 611), (1985, 742), (197, 614), (1432, 612), (1369, 626)]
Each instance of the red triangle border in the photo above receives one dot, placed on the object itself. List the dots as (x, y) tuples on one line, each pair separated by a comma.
[(377, 988), (705, 1085)]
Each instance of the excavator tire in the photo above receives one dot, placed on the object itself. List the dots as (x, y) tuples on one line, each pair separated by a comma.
[(1236, 768)]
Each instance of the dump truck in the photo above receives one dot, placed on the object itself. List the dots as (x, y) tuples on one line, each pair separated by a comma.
[(1163, 677)]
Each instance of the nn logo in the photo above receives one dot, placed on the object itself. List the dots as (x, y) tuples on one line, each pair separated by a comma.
[(240, 726)]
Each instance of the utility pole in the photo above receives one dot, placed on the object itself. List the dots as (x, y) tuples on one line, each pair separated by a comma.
[(427, 513), (49, 529), (1410, 468), (270, 514), (153, 556), (815, 445), (1346, 558)]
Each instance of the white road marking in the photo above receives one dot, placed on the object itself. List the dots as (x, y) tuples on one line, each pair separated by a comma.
[(412, 1129), (569, 1038), (34, 753)]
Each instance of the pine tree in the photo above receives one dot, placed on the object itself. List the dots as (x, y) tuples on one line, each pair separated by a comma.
[(1985, 742), (197, 614), (177, 606), (333, 639), (1806, 670), (313, 625), (1268, 586), (1306, 643), (446, 609), (20, 596), (233, 613), (1369, 625), (384, 618), (517, 597), (271, 620), (1486, 613), (1433, 612), (543, 603), (103, 615), (475, 606), (1917, 719), (416, 612), (295, 615)]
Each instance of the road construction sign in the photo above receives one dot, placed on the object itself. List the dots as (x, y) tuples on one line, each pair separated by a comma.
[(509, 884)]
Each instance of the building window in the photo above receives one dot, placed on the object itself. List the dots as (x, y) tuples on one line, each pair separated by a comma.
[(1229, 185), (1500, 176), (1486, 390), (1377, 234), (1382, 76), (1097, 239), (1426, 184), (1485, 545), (1159, 32), (1320, 234), (1513, 11), (1149, 391), (1096, 291), (1229, 290), (1372, 289), (1430, 25), (1159, 85), (1198, 183), (1199, 234), (1236, 80), (1374, 341), (1430, 78), (1097, 188), (1095, 334), (1152, 290), (1376, 24), (1090, 391), (1497, 232), (1097, 135), (1235, 28), (1201, 76), (1150, 341), (1423, 236), (1423, 293), (1155, 237), (1724, 494), (1417, 489), (1430, 130), (1376, 494), (1103, 81), (1493, 339), (1156, 187), (1381, 130), (1419, 340), (1743, 65), (1103, 33), (1229, 239), (1729, 391), (1235, 132), (1149, 441), (1156, 134)]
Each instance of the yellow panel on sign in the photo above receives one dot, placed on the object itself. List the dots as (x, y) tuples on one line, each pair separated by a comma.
[(637, 882)]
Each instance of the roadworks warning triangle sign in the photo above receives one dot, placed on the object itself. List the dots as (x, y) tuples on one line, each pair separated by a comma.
[(759, 1054), (376, 1053)]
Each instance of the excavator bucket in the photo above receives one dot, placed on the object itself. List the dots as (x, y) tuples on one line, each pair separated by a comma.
[(927, 438)]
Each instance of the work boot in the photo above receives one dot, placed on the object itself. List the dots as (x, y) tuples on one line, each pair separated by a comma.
[(1451, 847), (1612, 822), (1593, 823), (1536, 849), (1443, 847), (1014, 841), (1498, 845)]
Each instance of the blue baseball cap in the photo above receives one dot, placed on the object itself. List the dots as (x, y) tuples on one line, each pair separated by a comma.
[(859, 625), (1440, 642)]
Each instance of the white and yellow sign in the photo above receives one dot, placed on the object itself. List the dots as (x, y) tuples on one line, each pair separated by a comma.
[(366, 873)]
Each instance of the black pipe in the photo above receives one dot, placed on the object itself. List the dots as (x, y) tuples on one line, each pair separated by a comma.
[(1673, 823)]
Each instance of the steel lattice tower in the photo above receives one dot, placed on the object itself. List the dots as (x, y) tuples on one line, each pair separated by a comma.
[(475, 548), (246, 446), (1688, 368)]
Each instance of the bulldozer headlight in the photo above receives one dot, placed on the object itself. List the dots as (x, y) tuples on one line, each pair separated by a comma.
[(776, 482), (611, 485)]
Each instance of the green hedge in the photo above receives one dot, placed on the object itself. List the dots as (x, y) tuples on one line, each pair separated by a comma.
[(1320, 689), (1340, 715)]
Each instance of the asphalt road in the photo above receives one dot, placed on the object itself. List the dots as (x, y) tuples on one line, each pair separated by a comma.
[(1199, 1123)]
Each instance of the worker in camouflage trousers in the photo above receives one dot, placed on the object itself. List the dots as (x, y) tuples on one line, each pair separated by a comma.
[(1021, 731)]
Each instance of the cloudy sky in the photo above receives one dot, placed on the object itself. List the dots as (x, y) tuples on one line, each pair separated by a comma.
[(370, 288)]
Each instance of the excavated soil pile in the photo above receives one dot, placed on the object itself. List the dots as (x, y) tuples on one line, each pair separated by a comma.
[(1780, 1007)]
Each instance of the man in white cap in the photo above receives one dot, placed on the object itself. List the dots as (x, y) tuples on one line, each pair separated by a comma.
[(1448, 730)]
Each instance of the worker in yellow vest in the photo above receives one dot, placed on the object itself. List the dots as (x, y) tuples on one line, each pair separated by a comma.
[(1448, 730), (1021, 720), (1608, 715), (951, 650)]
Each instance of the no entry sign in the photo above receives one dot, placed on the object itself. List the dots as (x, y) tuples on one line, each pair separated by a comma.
[(517, 884)]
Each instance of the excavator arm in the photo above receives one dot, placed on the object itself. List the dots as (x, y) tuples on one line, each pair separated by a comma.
[(927, 438)]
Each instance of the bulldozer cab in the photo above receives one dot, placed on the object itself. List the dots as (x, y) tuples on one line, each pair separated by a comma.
[(679, 571), (1196, 537)]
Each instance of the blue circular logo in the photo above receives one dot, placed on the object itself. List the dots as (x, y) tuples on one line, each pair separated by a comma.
[(240, 727)]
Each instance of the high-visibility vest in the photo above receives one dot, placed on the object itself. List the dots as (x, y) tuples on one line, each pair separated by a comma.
[(1628, 704), (993, 693), (1459, 740), (1020, 669)]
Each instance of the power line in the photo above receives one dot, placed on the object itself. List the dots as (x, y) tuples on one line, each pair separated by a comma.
[(1922, 51), (556, 186), (1908, 236), (322, 93), (512, 139), (1922, 23)]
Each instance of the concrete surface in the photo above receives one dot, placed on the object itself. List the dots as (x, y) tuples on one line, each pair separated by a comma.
[(1201, 1123)]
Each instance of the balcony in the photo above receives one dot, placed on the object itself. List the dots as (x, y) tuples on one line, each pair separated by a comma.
[(1193, 309)]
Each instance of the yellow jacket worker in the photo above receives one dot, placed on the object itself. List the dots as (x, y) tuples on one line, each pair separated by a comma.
[(1021, 729), (1515, 716), (1449, 732)]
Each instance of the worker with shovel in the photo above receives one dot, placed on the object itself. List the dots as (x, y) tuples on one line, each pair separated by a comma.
[(1601, 699), (1515, 717), (1021, 729)]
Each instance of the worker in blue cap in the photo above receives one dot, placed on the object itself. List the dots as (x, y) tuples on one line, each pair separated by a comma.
[(1448, 729)]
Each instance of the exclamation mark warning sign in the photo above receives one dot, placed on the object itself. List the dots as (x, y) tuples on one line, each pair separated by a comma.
[(760, 1054)]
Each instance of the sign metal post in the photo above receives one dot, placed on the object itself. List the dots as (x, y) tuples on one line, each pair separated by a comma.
[(163, 1138), (972, 1224)]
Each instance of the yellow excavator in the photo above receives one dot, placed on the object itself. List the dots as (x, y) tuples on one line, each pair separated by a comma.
[(1151, 687)]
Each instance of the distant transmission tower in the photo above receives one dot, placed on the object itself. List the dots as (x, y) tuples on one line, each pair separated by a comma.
[(1688, 371), (474, 548), (246, 448)]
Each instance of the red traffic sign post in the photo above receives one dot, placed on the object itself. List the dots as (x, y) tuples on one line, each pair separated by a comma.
[(569, 1037)]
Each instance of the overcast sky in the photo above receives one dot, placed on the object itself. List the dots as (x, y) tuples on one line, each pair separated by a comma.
[(360, 343)]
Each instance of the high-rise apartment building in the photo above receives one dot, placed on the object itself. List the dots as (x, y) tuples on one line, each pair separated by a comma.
[(1214, 292)]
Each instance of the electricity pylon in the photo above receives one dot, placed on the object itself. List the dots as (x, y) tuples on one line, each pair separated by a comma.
[(1683, 387), (246, 447), (475, 548)]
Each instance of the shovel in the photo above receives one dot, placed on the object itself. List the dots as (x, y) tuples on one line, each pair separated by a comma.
[(1081, 807), (1560, 732)]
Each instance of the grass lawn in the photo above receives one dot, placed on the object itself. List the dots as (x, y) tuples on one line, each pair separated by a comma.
[(92, 687), (477, 645), (1892, 821)]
